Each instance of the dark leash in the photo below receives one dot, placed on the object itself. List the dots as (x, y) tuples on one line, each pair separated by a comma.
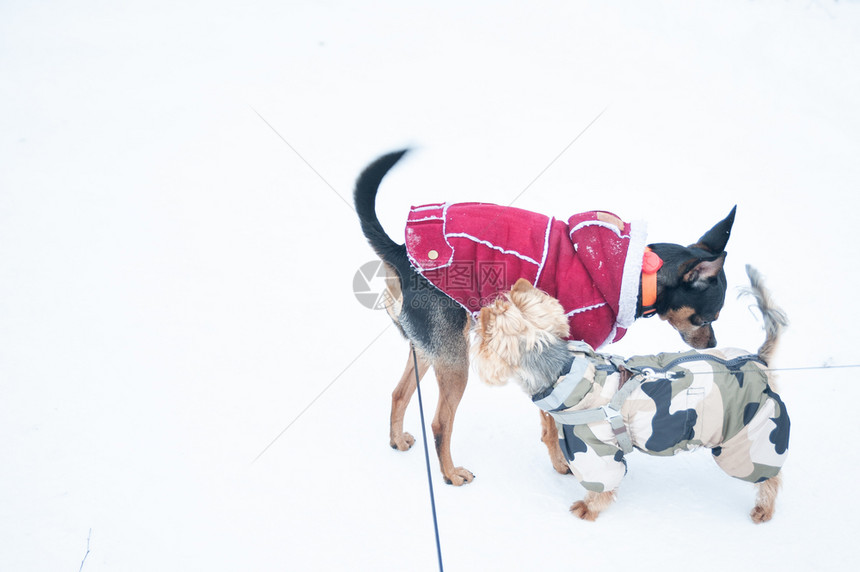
[(427, 458)]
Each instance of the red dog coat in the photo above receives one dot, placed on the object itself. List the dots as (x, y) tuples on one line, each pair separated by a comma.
[(591, 264)]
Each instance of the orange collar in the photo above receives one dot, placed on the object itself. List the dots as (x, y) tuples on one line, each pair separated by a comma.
[(651, 263)]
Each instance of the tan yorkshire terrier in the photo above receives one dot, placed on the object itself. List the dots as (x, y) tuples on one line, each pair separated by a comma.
[(605, 406)]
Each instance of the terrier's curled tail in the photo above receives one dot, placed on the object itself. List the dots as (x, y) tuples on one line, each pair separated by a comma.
[(774, 317)]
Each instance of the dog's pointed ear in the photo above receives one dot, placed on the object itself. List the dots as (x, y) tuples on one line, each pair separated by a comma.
[(715, 240), (702, 271), (520, 291), (522, 285)]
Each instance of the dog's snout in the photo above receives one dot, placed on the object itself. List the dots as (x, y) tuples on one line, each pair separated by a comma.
[(696, 332), (701, 338), (711, 338)]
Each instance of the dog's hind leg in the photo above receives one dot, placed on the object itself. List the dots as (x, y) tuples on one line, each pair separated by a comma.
[(592, 505), (765, 501), (549, 436), (400, 398)]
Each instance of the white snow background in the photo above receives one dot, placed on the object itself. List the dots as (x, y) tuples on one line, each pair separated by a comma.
[(178, 247)]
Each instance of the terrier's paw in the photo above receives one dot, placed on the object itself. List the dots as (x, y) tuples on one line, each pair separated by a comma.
[(549, 437), (761, 514), (593, 504), (561, 467), (402, 442), (581, 510)]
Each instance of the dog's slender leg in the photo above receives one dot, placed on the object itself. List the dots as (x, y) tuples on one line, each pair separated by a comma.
[(452, 383), (400, 398), (592, 505), (549, 436), (765, 499)]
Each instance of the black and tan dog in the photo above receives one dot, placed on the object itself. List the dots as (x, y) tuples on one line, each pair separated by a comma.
[(686, 286)]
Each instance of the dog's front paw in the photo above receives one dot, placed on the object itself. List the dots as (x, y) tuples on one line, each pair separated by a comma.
[(561, 467), (459, 476), (761, 514), (559, 463), (402, 442), (549, 436), (593, 504), (580, 510)]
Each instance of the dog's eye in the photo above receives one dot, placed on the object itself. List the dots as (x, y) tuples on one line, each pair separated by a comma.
[(698, 322)]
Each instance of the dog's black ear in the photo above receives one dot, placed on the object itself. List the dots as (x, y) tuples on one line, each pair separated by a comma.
[(700, 273), (714, 241)]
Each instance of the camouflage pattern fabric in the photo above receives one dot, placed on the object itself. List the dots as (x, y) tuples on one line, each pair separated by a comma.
[(719, 399)]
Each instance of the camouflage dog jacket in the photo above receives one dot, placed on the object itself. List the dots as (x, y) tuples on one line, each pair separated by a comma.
[(719, 399)]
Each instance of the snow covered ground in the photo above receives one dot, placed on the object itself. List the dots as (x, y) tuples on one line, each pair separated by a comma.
[(177, 253)]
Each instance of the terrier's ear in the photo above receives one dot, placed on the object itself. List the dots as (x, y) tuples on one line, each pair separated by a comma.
[(702, 271), (521, 289), (522, 285)]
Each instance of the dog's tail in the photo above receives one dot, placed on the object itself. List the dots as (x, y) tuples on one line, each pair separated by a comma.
[(774, 317), (365, 205)]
